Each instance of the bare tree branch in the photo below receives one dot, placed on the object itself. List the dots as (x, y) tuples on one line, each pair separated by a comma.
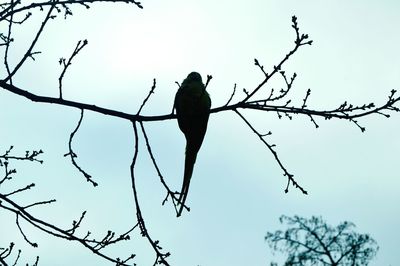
[(66, 64), (29, 51), (73, 155), (148, 96), (52, 229), (8, 41), (63, 3), (300, 41), (160, 256), (170, 193), (271, 149), (8, 204)]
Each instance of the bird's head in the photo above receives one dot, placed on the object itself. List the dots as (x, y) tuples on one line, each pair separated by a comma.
[(194, 76)]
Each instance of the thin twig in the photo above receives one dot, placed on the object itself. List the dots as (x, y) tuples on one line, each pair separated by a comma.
[(73, 155), (170, 193), (20, 190), (65, 64), (270, 147), (148, 96), (39, 203), (8, 43), (76, 224), (18, 256), (230, 98), (35, 245), (209, 78)]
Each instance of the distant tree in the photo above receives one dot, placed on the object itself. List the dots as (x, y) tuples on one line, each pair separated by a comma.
[(314, 242)]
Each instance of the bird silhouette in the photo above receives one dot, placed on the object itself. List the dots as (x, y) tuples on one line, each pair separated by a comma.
[(192, 104)]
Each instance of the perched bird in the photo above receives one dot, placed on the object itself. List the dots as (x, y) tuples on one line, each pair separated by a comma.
[(192, 104)]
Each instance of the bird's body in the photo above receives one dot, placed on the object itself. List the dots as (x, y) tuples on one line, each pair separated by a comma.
[(192, 104)]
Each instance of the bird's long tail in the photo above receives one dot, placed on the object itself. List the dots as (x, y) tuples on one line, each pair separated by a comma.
[(190, 158)]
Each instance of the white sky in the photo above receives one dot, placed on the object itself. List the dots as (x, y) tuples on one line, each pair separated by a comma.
[(236, 195)]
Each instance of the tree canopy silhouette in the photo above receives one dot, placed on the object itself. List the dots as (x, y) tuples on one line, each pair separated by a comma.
[(314, 242)]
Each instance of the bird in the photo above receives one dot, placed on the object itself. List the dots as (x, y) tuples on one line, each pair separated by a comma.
[(192, 104)]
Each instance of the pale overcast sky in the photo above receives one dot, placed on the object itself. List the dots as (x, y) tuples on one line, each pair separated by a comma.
[(237, 190)]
